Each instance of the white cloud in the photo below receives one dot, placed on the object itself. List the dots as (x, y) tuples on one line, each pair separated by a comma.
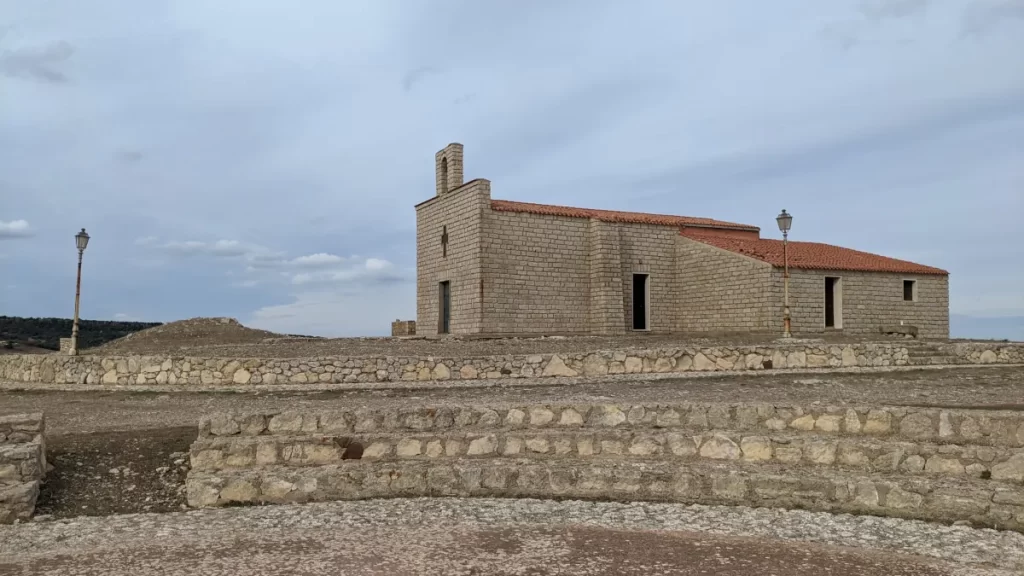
[(15, 229), (371, 270), (222, 248), (122, 317), (318, 260), (257, 256)]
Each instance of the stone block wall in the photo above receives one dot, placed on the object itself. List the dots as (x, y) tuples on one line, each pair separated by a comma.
[(22, 465), (607, 313), (173, 370), (536, 274), (65, 345), (458, 212), (650, 249), (910, 462), (723, 291), (869, 300), (403, 328), (160, 370)]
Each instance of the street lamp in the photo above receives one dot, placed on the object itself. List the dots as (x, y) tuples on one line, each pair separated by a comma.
[(785, 221), (81, 240)]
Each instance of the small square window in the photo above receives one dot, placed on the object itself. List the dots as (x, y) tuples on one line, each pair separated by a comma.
[(910, 290)]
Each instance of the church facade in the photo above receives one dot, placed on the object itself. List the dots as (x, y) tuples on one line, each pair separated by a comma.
[(498, 267)]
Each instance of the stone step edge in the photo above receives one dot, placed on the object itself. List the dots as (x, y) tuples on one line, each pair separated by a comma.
[(18, 501), (842, 452), (934, 500), (1005, 467), (922, 424)]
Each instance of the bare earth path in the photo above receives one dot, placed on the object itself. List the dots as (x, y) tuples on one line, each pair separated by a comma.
[(503, 537), (88, 411)]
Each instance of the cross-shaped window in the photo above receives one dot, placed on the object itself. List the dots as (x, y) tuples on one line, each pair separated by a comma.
[(444, 242)]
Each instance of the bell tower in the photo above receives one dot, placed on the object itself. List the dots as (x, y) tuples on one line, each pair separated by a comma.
[(448, 168)]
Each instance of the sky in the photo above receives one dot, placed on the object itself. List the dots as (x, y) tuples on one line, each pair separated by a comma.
[(261, 160)]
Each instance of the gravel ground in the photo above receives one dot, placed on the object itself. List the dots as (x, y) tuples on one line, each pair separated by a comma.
[(69, 411), (225, 337), (493, 536)]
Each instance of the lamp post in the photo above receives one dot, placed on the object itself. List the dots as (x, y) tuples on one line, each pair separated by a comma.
[(81, 240), (785, 220)]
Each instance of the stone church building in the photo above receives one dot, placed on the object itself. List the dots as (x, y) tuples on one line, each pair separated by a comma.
[(486, 266)]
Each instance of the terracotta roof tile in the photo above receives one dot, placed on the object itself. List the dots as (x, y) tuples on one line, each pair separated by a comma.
[(614, 216), (810, 255)]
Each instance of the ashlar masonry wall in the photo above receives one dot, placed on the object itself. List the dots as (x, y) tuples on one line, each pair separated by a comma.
[(723, 291), (556, 274), (536, 274), (869, 300), (459, 213)]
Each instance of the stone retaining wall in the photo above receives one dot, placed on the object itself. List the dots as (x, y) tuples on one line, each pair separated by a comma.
[(153, 370), (921, 498), (913, 462), (22, 465), (975, 427), (229, 453)]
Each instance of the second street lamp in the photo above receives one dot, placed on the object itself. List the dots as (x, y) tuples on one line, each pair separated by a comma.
[(785, 221), (81, 241)]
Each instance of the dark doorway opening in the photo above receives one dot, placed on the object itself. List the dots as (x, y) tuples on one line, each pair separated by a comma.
[(830, 302), (444, 308), (640, 300)]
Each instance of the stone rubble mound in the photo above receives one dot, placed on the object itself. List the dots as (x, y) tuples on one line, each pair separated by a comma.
[(184, 334)]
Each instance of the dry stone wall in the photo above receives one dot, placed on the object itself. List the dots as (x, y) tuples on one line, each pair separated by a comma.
[(160, 370), (896, 461), (22, 465)]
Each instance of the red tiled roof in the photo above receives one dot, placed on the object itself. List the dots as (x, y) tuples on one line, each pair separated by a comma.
[(811, 255), (615, 216)]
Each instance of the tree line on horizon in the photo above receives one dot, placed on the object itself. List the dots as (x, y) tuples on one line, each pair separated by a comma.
[(47, 332)]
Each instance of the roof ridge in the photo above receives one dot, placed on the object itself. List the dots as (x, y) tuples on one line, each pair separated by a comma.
[(616, 215)]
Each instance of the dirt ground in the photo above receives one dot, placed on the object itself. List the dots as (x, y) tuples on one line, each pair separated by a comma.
[(101, 473), (479, 551), (225, 337)]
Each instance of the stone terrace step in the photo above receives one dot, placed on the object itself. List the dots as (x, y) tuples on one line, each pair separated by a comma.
[(973, 427), (926, 498), (22, 465), (794, 450)]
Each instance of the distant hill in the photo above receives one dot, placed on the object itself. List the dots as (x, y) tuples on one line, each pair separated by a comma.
[(989, 328), (47, 332)]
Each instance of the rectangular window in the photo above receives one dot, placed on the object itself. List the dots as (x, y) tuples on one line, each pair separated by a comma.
[(910, 290)]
